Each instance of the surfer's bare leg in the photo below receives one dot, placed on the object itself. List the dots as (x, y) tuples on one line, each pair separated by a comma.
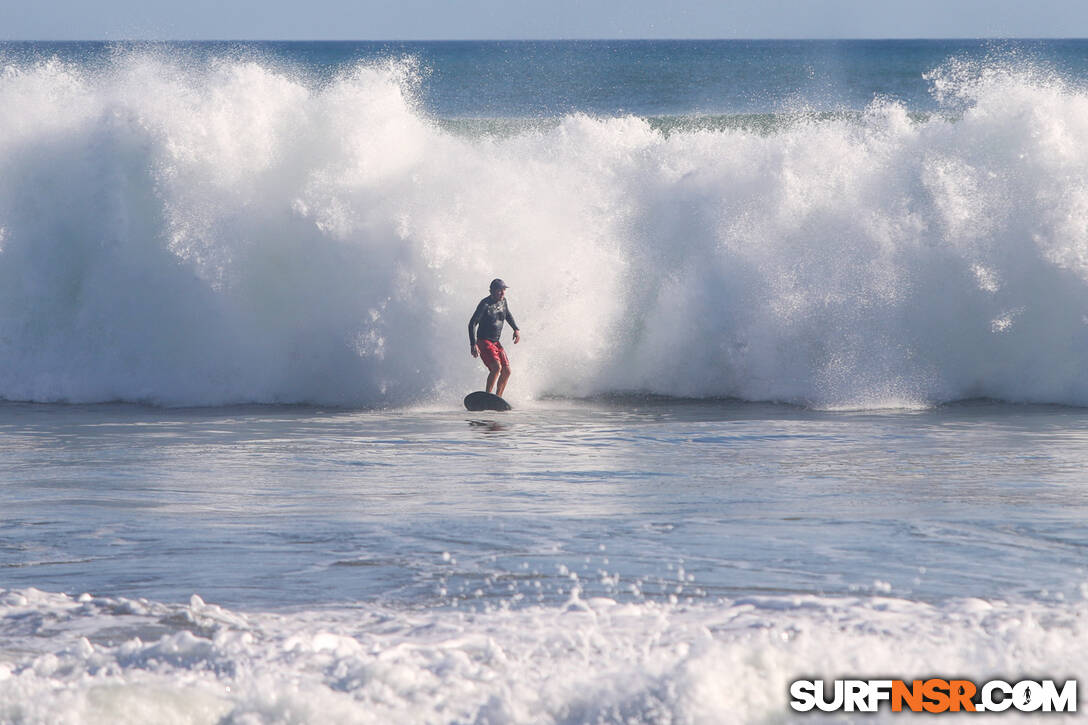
[(492, 376), (504, 375), (498, 367)]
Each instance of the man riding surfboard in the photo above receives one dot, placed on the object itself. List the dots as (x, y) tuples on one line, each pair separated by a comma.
[(489, 317)]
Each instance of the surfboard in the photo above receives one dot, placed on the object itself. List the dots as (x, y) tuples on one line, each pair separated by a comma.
[(485, 401)]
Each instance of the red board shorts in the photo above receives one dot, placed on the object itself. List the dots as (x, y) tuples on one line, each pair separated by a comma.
[(492, 354)]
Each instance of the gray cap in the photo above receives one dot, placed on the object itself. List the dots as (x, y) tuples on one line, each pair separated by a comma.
[(498, 284)]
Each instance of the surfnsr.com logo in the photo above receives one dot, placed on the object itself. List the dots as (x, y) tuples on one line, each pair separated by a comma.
[(934, 695)]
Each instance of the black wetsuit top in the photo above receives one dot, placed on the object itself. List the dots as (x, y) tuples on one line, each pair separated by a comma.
[(489, 315)]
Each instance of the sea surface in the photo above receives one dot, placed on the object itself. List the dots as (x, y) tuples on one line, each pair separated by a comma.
[(800, 394)]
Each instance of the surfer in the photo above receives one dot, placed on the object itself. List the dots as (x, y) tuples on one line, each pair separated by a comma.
[(489, 316)]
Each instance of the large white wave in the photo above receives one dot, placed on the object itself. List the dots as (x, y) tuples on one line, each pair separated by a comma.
[(108, 660), (230, 232)]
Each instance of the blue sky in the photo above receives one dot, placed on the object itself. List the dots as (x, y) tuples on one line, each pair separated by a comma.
[(485, 19)]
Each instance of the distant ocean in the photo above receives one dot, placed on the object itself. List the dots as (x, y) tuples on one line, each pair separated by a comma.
[(801, 390)]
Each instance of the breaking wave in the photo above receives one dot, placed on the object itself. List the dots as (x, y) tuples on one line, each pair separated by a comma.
[(116, 660), (230, 232)]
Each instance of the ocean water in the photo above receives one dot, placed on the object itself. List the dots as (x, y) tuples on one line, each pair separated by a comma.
[(800, 391)]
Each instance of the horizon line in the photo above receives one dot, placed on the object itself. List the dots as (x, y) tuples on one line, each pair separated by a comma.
[(536, 40)]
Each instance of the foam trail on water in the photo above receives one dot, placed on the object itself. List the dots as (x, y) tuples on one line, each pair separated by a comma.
[(229, 232), (118, 660)]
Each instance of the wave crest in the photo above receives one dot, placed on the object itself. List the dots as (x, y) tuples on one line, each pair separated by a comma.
[(233, 233)]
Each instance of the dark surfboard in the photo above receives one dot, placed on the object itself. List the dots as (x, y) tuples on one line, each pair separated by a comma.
[(485, 401)]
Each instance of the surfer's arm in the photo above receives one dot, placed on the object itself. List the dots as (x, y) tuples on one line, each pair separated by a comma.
[(472, 324), (514, 325)]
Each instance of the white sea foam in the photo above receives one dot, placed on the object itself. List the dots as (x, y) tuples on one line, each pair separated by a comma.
[(102, 660), (229, 232)]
